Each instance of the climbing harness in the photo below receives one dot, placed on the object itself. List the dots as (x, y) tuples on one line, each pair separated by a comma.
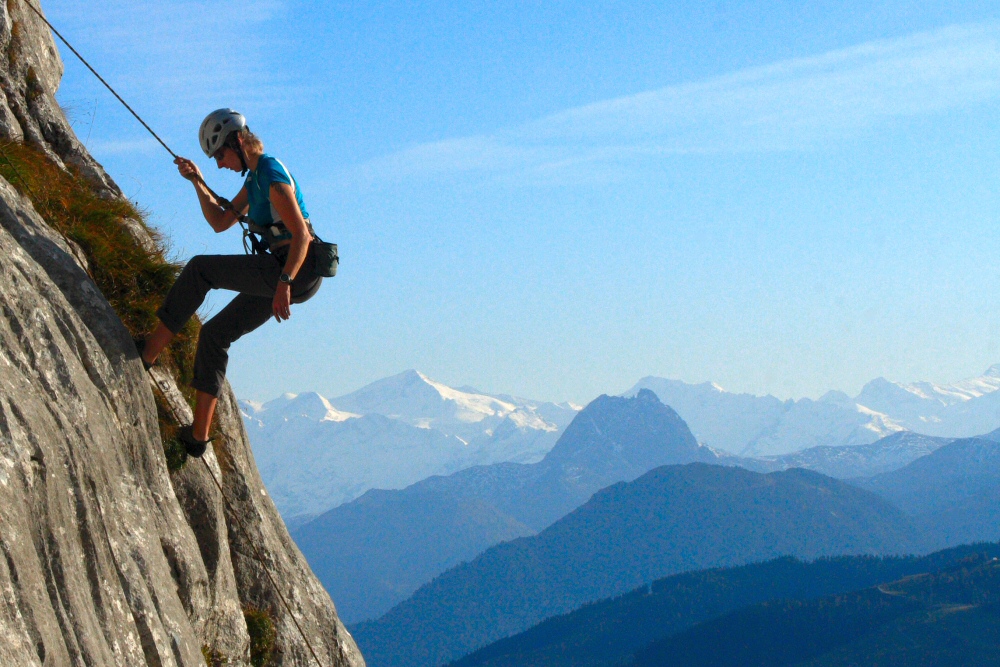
[(253, 244)]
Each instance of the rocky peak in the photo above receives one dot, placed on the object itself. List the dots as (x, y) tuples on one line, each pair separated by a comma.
[(633, 434)]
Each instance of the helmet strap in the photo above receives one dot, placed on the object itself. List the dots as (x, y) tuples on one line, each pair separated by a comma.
[(243, 159), (234, 142)]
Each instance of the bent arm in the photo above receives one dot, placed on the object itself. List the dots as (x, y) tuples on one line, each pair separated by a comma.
[(218, 216), (283, 200)]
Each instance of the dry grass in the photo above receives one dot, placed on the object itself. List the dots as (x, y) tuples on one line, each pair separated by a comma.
[(14, 46), (34, 88)]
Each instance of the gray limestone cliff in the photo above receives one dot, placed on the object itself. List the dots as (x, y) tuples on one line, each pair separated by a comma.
[(106, 557)]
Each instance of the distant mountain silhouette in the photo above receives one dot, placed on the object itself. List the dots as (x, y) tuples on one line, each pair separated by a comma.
[(960, 409), (670, 520), (748, 425), (375, 551), (949, 617), (953, 493), (613, 439), (609, 632)]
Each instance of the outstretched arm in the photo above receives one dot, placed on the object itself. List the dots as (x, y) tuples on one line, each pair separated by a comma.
[(218, 216)]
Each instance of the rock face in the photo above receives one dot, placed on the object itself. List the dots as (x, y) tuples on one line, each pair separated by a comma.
[(108, 558)]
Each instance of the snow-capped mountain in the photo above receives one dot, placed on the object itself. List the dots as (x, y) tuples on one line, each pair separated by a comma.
[(750, 425), (310, 406), (963, 409), (311, 463), (414, 398), (496, 428), (316, 453)]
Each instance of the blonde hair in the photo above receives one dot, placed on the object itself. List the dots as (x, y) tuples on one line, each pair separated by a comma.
[(251, 142)]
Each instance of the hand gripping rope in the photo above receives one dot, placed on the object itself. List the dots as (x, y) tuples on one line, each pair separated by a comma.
[(246, 232)]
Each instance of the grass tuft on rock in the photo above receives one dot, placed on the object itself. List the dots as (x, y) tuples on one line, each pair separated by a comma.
[(34, 89), (173, 450), (133, 276), (14, 47), (263, 636)]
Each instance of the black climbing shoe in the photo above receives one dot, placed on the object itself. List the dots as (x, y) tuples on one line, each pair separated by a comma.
[(140, 347), (192, 445)]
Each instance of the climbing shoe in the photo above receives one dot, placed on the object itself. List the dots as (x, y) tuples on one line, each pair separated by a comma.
[(192, 445), (140, 347)]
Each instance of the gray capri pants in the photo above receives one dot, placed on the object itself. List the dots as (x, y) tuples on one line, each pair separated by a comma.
[(255, 277)]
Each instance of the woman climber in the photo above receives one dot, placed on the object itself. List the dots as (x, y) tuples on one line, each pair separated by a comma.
[(268, 283)]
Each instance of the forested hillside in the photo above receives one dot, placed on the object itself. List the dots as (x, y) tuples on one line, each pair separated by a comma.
[(606, 633), (948, 617)]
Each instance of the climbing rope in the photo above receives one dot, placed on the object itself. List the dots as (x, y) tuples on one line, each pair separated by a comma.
[(99, 77), (225, 203)]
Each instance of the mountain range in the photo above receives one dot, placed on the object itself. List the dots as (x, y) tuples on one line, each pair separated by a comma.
[(673, 519), (375, 551), (849, 461), (952, 494), (316, 453), (962, 409)]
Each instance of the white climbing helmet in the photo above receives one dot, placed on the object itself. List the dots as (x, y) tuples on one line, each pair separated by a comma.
[(217, 126)]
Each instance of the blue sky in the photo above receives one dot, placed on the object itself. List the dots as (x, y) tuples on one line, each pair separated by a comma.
[(556, 199)]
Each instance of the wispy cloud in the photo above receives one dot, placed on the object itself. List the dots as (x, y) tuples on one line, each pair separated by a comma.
[(195, 52), (789, 105)]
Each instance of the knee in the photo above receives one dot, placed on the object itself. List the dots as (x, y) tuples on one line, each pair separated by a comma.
[(214, 333), (196, 264), (193, 272)]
